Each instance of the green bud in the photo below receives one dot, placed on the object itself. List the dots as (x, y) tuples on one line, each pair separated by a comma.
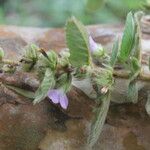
[(48, 60), (64, 58), (99, 52), (52, 58), (31, 52), (30, 57)]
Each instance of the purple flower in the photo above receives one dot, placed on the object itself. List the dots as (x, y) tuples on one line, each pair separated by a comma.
[(94, 47), (93, 44), (58, 96)]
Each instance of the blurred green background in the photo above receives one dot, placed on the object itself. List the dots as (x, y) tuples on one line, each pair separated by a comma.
[(45, 13)]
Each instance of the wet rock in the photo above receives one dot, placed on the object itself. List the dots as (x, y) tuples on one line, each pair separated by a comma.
[(21, 79), (52, 39), (22, 127), (11, 42), (80, 105)]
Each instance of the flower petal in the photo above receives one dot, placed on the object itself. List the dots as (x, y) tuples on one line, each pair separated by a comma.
[(54, 96), (93, 45), (63, 101), (58, 96)]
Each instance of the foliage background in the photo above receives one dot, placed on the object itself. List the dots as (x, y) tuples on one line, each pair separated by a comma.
[(45, 13)]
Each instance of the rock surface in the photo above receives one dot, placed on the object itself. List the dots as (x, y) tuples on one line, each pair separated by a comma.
[(44, 127)]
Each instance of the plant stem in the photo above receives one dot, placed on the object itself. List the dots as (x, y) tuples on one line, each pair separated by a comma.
[(117, 73)]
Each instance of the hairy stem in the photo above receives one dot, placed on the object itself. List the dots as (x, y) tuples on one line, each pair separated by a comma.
[(117, 73)]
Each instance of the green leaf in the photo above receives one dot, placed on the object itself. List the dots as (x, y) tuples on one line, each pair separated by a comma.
[(1, 53), (132, 93), (78, 43), (22, 92), (135, 64), (136, 52), (135, 68), (114, 53), (137, 44), (128, 38), (47, 83), (99, 120), (147, 106), (135, 60)]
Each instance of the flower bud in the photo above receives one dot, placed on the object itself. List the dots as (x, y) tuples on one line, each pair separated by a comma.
[(96, 49)]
